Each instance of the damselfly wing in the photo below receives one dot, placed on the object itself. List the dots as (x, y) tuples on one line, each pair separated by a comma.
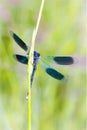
[(61, 60)]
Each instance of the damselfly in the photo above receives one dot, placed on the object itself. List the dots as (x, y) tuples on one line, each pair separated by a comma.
[(61, 60)]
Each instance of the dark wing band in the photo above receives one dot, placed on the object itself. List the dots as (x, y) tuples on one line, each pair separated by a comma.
[(21, 59), (51, 71), (61, 60), (19, 41)]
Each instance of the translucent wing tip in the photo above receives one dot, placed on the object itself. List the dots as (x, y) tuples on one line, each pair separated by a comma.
[(75, 59), (17, 57), (12, 33)]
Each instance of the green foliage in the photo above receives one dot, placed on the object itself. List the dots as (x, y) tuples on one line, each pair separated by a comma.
[(56, 105)]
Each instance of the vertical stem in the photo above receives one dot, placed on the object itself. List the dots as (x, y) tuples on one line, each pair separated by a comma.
[(30, 67), (38, 20)]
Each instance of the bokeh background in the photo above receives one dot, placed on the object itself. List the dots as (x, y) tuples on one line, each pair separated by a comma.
[(56, 105)]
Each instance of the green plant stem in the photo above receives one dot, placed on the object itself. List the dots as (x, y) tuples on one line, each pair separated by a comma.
[(30, 67)]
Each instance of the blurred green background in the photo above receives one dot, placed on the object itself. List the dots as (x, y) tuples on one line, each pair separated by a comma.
[(56, 105)]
